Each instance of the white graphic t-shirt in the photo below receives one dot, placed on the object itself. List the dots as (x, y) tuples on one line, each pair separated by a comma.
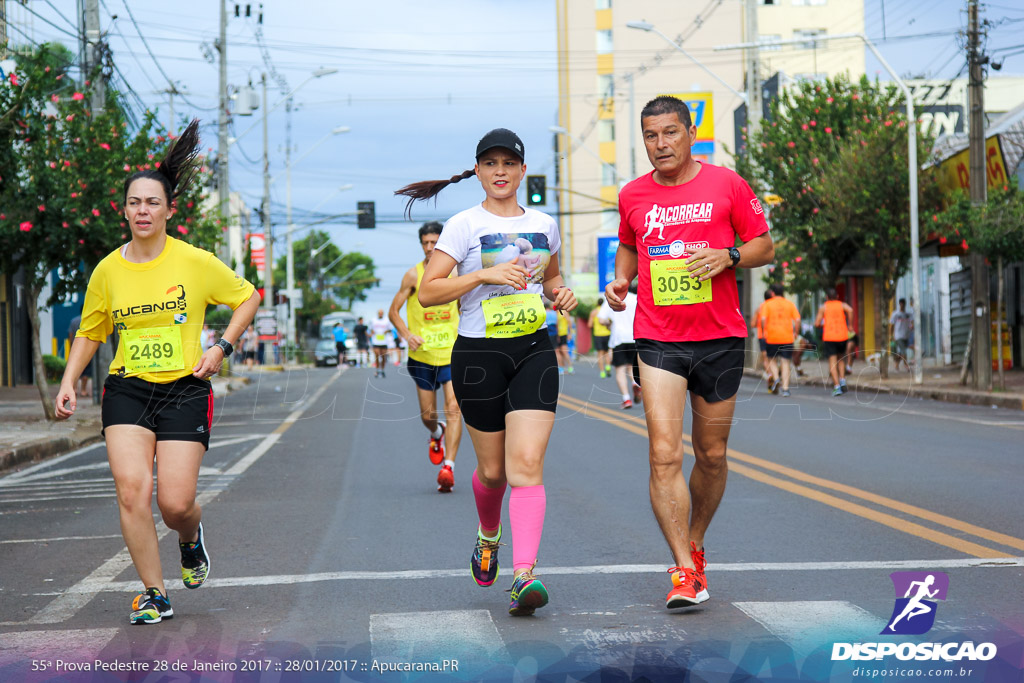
[(380, 332), (478, 239)]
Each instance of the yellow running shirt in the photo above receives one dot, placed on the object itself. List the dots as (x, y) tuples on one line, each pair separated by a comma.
[(437, 325), (161, 304)]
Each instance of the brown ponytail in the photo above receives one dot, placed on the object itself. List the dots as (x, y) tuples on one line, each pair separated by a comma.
[(425, 189), (178, 168)]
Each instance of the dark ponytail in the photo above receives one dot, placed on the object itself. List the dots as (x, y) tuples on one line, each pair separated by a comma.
[(426, 189), (178, 168)]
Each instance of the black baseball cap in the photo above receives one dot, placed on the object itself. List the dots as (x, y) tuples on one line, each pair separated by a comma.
[(501, 137)]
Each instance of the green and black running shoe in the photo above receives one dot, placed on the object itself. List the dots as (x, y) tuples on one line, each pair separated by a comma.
[(195, 563), (528, 594), (150, 607)]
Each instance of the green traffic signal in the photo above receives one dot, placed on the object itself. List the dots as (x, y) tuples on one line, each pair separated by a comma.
[(536, 189)]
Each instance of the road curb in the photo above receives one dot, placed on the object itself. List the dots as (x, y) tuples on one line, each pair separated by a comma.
[(43, 449), (966, 397)]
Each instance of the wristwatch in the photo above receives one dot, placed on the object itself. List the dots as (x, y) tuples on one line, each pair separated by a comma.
[(225, 346), (734, 254)]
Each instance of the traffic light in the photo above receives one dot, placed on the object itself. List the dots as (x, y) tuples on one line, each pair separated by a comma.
[(536, 190), (367, 218)]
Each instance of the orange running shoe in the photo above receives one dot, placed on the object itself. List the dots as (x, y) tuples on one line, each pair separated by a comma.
[(689, 586), (445, 479), (436, 450)]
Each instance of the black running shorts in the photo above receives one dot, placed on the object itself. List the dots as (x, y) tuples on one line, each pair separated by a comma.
[(601, 343), (834, 348), (494, 377), (712, 369), (177, 411), (780, 351), (624, 354)]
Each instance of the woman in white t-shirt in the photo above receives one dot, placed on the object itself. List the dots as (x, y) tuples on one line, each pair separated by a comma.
[(504, 370)]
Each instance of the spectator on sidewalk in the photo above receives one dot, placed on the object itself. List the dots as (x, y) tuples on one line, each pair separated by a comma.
[(83, 380), (901, 323)]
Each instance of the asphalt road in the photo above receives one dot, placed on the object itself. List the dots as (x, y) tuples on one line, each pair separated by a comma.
[(334, 558)]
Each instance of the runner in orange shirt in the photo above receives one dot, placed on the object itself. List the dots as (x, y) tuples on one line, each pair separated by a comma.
[(836, 320), (758, 326), (781, 323)]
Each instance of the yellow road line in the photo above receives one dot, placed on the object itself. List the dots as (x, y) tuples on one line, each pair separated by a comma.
[(636, 426)]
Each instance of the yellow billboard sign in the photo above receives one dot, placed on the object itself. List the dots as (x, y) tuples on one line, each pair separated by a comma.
[(701, 112), (955, 172)]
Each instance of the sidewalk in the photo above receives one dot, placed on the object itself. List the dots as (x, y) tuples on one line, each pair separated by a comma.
[(26, 436), (938, 383)]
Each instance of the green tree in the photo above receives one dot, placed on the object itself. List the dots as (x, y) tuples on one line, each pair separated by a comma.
[(326, 290), (61, 174), (994, 229), (835, 152)]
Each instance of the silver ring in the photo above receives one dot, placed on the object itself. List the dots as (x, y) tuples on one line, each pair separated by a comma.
[(708, 266)]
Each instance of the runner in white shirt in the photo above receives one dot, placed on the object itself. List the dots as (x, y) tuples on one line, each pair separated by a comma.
[(382, 337), (503, 365), (623, 345)]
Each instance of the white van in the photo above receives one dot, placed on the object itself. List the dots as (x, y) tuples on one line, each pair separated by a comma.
[(326, 353)]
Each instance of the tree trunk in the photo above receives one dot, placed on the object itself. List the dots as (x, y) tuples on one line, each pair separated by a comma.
[(38, 369), (999, 322), (882, 326)]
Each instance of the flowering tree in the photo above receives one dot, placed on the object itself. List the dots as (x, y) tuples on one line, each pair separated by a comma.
[(61, 172), (836, 153)]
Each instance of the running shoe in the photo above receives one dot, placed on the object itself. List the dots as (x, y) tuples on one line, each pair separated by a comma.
[(150, 607), (571, 370), (195, 563), (436, 449), (785, 393), (484, 563), (773, 386), (604, 374), (637, 394), (838, 391), (445, 479), (528, 594), (627, 404), (799, 372), (608, 369), (688, 588), (842, 385)]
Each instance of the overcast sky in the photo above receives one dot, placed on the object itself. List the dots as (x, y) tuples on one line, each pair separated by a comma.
[(418, 84)]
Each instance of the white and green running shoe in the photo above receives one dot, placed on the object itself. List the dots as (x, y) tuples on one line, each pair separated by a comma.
[(150, 607), (195, 563)]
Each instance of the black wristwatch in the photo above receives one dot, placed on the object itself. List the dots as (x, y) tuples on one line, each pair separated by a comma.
[(225, 346), (734, 254)]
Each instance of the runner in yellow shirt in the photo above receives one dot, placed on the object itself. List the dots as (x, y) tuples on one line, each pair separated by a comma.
[(157, 399), (430, 335), (601, 336)]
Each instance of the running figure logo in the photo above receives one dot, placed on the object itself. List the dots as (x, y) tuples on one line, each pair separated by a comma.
[(651, 222), (914, 613)]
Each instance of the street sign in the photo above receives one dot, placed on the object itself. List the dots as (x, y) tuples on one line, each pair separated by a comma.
[(266, 325)]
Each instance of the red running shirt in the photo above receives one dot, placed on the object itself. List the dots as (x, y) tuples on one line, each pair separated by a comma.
[(668, 224)]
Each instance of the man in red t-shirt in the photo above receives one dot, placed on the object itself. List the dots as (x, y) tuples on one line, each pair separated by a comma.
[(678, 229)]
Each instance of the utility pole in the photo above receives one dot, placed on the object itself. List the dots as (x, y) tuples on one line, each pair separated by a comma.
[(632, 128), (753, 279), (3, 29), (290, 256), (268, 238), (93, 53), (223, 189), (981, 355)]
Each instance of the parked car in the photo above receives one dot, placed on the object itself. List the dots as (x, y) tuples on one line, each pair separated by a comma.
[(326, 353)]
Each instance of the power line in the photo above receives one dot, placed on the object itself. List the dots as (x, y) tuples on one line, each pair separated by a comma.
[(76, 35)]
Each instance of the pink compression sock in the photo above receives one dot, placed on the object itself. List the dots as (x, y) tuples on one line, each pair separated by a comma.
[(526, 505), (488, 503)]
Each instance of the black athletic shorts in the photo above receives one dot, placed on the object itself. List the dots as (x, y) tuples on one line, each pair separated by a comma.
[(780, 351), (563, 340), (176, 411), (624, 354), (429, 377), (762, 344), (494, 377), (339, 347), (601, 343), (834, 348), (712, 369)]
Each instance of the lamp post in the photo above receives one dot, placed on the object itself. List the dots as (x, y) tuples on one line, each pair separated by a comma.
[(915, 251), (290, 262)]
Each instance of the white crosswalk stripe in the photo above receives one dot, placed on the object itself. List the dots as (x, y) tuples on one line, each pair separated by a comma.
[(469, 637), (84, 645), (806, 624)]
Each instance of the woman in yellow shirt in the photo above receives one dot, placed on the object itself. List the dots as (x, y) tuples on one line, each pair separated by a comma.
[(157, 399)]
